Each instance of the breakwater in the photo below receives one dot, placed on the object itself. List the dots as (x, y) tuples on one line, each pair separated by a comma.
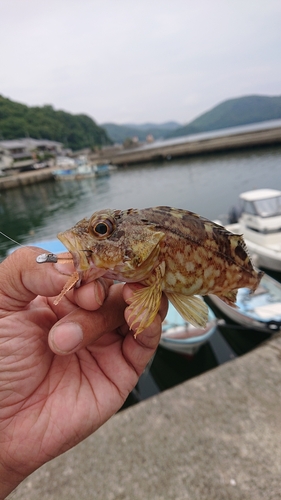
[(223, 140)]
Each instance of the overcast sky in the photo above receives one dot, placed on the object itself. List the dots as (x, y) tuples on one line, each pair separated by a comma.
[(138, 60)]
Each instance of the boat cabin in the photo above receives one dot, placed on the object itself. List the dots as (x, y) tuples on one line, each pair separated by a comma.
[(261, 211)]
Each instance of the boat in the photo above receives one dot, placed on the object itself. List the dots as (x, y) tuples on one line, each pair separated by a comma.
[(81, 169), (259, 221), (103, 169), (180, 336), (259, 310), (78, 172)]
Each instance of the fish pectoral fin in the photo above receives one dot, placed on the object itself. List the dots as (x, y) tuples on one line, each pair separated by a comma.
[(144, 306), (229, 298), (192, 308)]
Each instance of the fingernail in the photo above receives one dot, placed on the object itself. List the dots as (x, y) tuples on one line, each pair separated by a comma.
[(66, 337), (100, 292)]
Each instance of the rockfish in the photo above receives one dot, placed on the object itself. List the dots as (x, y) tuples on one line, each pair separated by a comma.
[(165, 249)]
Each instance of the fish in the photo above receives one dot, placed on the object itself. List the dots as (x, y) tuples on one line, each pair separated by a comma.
[(168, 250)]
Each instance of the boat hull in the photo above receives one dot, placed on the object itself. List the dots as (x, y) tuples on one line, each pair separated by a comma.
[(262, 256), (259, 310), (183, 338)]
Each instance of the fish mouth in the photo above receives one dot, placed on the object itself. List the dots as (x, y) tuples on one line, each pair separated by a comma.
[(80, 256)]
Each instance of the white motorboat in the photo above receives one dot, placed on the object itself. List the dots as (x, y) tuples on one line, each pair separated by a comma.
[(260, 223), (259, 310), (182, 337)]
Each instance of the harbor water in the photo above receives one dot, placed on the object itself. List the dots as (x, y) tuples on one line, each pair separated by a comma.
[(209, 185)]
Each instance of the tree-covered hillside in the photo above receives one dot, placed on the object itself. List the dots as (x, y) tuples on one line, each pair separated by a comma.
[(74, 131), (232, 113)]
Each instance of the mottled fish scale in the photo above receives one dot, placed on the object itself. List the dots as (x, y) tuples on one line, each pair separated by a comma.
[(219, 258), (168, 250)]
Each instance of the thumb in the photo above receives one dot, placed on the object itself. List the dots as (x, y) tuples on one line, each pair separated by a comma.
[(22, 279)]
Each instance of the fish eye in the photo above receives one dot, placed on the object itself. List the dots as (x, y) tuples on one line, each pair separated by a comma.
[(101, 228)]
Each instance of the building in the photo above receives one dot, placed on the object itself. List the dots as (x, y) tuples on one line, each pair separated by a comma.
[(6, 160), (19, 155)]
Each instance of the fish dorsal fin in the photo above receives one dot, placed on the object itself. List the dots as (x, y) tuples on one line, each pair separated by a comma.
[(192, 308)]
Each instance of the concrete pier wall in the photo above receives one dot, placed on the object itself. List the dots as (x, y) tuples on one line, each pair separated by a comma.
[(24, 178), (190, 146)]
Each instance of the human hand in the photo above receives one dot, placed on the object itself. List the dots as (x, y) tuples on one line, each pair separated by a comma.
[(65, 369)]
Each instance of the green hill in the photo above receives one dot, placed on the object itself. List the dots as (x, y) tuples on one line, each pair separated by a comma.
[(119, 133), (232, 113), (74, 131)]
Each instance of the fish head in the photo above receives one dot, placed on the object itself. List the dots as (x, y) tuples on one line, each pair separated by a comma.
[(117, 244)]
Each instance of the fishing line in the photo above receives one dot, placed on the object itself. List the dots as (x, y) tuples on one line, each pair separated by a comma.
[(11, 239), (44, 257)]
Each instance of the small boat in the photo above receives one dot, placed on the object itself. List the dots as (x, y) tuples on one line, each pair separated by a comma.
[(259, 221), (259, 310), (103, 169), (180, 336), (78, 172), (80, 168)]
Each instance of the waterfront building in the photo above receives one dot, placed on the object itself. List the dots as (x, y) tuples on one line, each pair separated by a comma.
[(19, 155)]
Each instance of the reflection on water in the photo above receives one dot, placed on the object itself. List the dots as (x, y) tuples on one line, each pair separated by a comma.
[(209, 185)]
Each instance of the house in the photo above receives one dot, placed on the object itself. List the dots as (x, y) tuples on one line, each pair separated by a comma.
[(19, 155), (6, 161)]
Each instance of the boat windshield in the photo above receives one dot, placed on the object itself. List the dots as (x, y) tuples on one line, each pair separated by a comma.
[(268, 207)]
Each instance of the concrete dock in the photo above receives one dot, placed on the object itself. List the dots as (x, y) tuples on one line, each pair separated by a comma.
[(215, 437), (25, 178)]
